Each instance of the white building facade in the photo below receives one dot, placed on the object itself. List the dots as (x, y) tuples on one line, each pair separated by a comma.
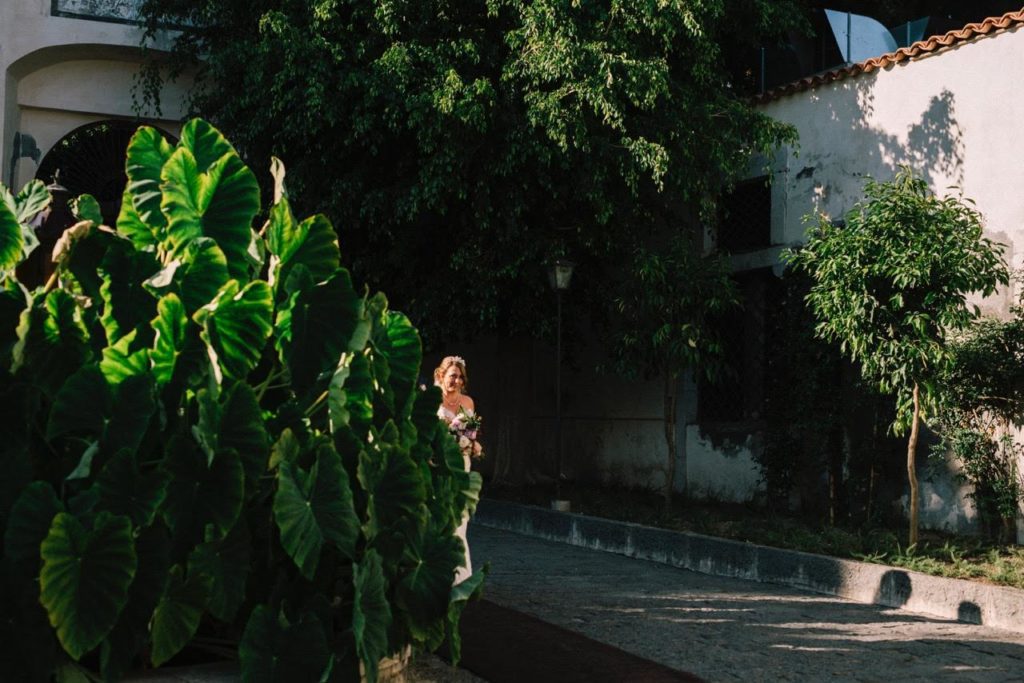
[(950, 108), (68, 65)]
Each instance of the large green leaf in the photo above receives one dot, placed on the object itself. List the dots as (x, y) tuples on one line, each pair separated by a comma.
[(81, 250), (424, 591), (128, 357), (321, 324), (201, 494), (11, 240), (313, 508), (12, 303), (32, 199), (131, 632), (236, 326), (207, 428), (85, 578), (131, 225), (285, 449), (181, 184), (196, 277), (461, 594), (205, 142), (82, 405), (124, 490), (359, 394), (86, 208), (394, 489), (241, 430), (134, 406), (226, 561), (399, 342), (312, 243), (272, 650), (147, 153), (203, 274), (208, 191), (17, 238), (127, 305), (51, 340), (337, 398), (424, 418), (371, 613), (169, 337), (31, 516), (87, 405), (177, 615)]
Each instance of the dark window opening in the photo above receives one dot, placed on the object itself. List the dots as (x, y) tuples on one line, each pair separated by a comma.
[(738, 395), (745, 222)]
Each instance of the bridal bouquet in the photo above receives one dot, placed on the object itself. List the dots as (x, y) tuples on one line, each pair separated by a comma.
[(466, 429)]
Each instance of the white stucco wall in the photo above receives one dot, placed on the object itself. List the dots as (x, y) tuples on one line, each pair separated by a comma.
[(60, 73), (952, 116)]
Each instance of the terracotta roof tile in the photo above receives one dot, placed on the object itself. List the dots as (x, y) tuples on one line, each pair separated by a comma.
[(914, 51)]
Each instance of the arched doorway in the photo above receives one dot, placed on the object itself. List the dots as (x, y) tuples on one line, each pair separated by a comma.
[(88, 160)]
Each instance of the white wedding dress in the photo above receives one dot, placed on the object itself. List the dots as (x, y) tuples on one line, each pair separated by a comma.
[(465, 570)]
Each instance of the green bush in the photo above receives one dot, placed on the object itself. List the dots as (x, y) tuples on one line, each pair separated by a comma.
[(211, 436), (982, 407)]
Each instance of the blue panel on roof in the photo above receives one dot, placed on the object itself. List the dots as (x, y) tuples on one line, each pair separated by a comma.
[(859, 37)]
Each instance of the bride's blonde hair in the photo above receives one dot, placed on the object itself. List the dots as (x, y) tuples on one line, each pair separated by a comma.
[(446, 363)]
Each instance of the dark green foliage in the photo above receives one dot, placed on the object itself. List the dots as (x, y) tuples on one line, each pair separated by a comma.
[(465, 143), (891, 284), (982, 405), (826, 430), (666, 312), (195, 451)]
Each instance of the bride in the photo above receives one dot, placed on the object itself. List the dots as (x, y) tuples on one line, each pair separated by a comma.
[(451, 377)]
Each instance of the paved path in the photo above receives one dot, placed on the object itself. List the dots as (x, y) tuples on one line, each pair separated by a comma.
[(732, 630)]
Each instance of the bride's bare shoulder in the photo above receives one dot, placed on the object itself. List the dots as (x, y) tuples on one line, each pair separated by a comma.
[(467, 402)]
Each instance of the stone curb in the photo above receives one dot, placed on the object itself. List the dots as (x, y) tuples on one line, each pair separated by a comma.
[(968, 601)]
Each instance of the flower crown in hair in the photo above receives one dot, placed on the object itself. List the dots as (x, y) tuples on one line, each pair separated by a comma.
[(458, 360)]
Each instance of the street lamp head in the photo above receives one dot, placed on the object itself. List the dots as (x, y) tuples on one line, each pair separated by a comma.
[(560, 273)]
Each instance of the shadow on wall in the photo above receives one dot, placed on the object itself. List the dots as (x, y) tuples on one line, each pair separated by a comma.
[(832, 180)]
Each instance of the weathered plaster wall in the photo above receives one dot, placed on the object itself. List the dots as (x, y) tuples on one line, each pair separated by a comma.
[(952, 116), (60, 73)]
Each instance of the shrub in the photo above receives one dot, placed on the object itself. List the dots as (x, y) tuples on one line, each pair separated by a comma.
[(211, 433), (982, 406)]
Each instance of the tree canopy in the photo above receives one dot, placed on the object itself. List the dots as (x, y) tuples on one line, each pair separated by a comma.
[(459, 145)]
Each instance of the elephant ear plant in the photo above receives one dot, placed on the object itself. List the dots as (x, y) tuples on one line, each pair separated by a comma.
[(210, 436)]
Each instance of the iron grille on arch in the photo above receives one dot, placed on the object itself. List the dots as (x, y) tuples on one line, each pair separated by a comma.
[(91, 160), (88, 160)]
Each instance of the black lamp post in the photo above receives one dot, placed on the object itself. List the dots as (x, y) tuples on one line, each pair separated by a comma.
[(559, 274)]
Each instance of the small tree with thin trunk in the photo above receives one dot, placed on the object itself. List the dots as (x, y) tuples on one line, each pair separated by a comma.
[(664, 324), (892, 283)]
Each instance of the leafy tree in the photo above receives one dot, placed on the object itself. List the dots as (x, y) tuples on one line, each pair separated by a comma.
[(666, 310), (891, 283), (449, 140)]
